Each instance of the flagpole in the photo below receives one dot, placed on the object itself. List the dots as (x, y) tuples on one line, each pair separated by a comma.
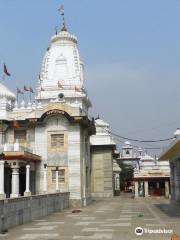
[(30, 96), (61, 10)]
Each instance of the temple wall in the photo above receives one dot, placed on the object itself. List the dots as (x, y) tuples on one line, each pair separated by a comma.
[(175, 180), (102, 174), (17, 211)]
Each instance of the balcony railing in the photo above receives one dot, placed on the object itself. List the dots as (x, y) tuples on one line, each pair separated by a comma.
[(14, 148)]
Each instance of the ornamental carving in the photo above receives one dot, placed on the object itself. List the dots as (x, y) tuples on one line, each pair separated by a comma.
[(58, 106), (54, 111)]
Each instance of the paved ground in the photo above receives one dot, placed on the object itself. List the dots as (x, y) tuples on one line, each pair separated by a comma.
[(114, 218)]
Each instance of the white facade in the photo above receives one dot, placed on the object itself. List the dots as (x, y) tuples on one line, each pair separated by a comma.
[(149, 164), (7, 99), (102, 136), (172, 155), (61, 112), (105, 174), (127, 150), (152, 177), (63, 72), (129, 155)]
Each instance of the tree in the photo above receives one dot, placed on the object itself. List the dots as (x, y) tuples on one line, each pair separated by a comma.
[(126, 175)]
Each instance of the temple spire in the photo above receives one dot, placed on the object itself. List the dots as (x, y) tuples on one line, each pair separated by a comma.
[(61, 10)]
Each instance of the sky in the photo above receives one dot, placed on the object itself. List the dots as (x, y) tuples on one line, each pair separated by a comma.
[(131, 52)]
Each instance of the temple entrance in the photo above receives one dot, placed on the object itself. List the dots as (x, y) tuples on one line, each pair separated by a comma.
[(157, 188)]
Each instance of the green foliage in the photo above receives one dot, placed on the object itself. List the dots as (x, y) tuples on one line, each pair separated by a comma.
[(126, 174)]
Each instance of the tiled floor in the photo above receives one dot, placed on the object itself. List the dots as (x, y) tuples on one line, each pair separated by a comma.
[(114, 218)]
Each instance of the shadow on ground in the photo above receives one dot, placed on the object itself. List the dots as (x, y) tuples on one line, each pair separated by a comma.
[(171, 210)]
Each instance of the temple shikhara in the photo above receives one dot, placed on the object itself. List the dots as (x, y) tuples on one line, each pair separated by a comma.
[(45, 145)]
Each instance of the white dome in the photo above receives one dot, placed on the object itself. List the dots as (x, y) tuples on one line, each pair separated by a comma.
[(127, 143), (177, 132), (146, 157), (62, 64), (102, 127), (6, 93), (100, 122), (64, 35)]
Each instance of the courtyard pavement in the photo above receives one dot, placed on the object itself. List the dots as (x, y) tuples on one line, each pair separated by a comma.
[(114, 218)]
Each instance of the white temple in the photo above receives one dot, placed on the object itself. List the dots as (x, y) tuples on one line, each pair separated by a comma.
[(63, 71), (45, 145), (7, 100), (152, 178), (105, 177)]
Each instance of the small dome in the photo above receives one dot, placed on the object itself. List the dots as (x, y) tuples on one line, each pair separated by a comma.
[(146, 157), (100, 123), (6, 93), (64, 35), (140, 149), (127, 145), (177, 132)]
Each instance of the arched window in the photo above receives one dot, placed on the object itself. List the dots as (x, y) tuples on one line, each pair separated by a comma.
[(127, 152)]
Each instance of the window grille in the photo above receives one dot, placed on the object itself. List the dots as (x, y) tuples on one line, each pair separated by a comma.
[(61, 175), (57, 140)]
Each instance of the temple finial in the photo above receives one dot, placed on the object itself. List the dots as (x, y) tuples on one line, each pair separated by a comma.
[(56, 30), (61, 10)]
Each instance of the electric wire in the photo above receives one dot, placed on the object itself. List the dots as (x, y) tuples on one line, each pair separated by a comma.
[(142, 141)]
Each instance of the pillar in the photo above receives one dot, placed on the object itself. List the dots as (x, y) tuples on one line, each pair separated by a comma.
[(177, 180), (146, 190), (136, 189), (45, 180), (116, 183), (27, 191), (15, 182), (167, 189), (57, 181), (2, 194), (141, 189), (1, 137), (3, 128), (172, 183)]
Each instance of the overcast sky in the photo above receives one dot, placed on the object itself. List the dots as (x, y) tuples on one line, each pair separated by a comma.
[(131, 51)]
